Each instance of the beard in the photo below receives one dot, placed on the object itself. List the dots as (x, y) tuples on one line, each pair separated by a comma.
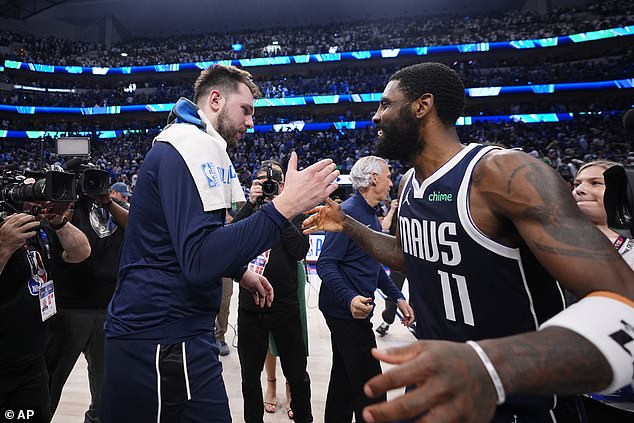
[(230, 135), (400, 140)]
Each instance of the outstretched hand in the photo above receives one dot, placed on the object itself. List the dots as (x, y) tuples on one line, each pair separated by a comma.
[(324, 218), (451, 384), (259, 287), (304, 189)]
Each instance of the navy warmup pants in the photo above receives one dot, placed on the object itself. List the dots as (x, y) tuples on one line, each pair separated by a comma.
[(150, 382)]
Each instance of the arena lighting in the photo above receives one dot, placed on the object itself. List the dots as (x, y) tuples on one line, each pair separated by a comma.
[(237, 47), (27, 88), (124, 54), (318, 126), (537, 89), (330, 57), (130, 88), (48, 90)]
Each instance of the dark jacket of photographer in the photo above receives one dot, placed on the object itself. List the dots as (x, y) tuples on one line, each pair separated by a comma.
[(91, 283), (21, 327), (281, 269)]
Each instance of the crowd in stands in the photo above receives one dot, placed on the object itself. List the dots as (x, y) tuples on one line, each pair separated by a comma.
[(402, 32), (593, 101), (345, 80), (563, 145)]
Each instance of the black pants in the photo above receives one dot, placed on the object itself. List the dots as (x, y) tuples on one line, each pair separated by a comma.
[(70, 333), (352, 366), (24, 392), (390, 306), (253, 342)]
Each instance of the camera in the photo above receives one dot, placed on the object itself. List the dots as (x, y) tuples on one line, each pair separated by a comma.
[(271, 185), (90, 180), (93, 182), (49, 186), (618, 199)]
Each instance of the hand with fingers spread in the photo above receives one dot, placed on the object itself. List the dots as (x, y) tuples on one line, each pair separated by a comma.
[(325, 218), (16, 230), (259, 286), (306, 188), (450, 385)]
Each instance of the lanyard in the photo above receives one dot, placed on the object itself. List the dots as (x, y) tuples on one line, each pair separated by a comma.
[(32, 263), (47, 245), (619, 242), (45, 242)]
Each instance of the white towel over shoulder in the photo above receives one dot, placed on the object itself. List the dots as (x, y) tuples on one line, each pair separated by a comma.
[(205, 154)]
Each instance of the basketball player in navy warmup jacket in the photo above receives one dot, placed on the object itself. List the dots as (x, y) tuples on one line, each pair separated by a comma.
[(161, 355), (483, 235)]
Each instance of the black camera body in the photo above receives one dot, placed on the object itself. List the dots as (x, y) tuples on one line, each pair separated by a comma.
[(48, 186), (90, 180), (93, 182), (618, 199), (271, 185)]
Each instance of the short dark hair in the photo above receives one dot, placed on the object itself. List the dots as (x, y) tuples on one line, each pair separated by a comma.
[(439, 80), (223, 78)]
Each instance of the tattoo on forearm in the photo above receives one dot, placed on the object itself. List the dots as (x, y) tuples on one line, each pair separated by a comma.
[(595, 255), (381, 246), (556, 214)]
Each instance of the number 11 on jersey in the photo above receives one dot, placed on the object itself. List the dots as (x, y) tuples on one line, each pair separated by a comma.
[(463, 293)]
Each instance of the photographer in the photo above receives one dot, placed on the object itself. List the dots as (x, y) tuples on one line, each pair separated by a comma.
[(282, 320), (588, 192), (84, 295), (30, 249)]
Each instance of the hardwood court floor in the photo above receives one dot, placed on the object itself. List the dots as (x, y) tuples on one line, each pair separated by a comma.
[(76, 395)]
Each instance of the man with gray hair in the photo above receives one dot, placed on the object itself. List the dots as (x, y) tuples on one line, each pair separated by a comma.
[(349, 277)]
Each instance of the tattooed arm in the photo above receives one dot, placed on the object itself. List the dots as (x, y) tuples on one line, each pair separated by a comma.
[(515, 187), (514, 199), (383, 247), (540, 206)]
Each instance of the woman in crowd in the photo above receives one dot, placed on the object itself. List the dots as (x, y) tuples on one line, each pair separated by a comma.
[(589, 187)]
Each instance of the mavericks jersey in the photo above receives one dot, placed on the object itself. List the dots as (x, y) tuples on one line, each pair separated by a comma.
[(463, 284)]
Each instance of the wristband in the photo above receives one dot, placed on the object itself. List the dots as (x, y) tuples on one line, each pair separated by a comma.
[(59, 225), (606, 320), (490, 368)]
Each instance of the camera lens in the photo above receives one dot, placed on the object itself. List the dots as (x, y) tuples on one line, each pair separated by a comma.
[(269, 187), (95, 182)]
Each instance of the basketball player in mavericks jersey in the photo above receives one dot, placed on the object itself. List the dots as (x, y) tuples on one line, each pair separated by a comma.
[(483, 235)]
